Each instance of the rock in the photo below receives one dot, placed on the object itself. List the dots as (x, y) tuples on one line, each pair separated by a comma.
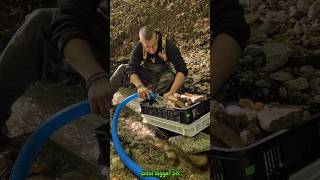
[(273, 4), (277, 118), (191, 145), (246, 103), (315, 85), (317, 51), (159, 143), (116, 164), (197, 98), (303, 5), (199, 160), (251, 115), (281, 76), (216, 107), (306, 42), (307, 69), (294, 94), (296, 71), (235, 117), (261, 37), (305, 29), (317, 73), (262, 83), (292, 2), (267, 28), (247, 137), (235, 111), (287, 69), (314, 10), (283, 92), (171, 154), (292, 11), (315, 41), (226, 134), (247, 60), (253, 128), (196, 78), (316, 99), (166, 147), (314, 27), (194, 177), (298, 84), (203, 175), (276, 55), (252, 18), (258, 106), (297, 29), (177, 103), (265, 91)]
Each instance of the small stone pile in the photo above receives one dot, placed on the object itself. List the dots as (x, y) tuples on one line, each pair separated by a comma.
[(244, 123), (180, 101)]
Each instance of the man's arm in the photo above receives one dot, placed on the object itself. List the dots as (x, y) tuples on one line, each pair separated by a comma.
[(230, 34), (133, 65), (135, 80), (178, 83), (79, 55), (180, 66), (69, 32), (72, 20)]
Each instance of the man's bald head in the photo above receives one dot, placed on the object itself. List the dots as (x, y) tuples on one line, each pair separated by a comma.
[(146, 32), (149, 39)]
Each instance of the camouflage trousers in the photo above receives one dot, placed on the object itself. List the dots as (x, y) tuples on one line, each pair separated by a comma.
[(157, 77)]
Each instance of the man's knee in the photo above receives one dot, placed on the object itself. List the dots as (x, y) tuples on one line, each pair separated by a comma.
[(39, 18), (122, 69), (120, 74), (33, 26)]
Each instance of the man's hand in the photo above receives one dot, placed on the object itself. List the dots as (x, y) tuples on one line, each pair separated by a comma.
[(100, 97), (144, 92), (167, 96), (177, 83), (80, 56)]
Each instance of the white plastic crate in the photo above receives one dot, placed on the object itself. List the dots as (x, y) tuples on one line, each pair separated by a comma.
[(189, 130)]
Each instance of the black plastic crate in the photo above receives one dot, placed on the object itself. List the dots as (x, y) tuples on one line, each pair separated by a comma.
[(103, 138), (185, 116), (275, 157)]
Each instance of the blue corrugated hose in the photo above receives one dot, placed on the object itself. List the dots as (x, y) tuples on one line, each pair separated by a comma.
[(134, 167), (36, 141)]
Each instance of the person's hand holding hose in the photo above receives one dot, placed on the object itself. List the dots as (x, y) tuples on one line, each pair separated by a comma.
[(99, 93), (143, 92)]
